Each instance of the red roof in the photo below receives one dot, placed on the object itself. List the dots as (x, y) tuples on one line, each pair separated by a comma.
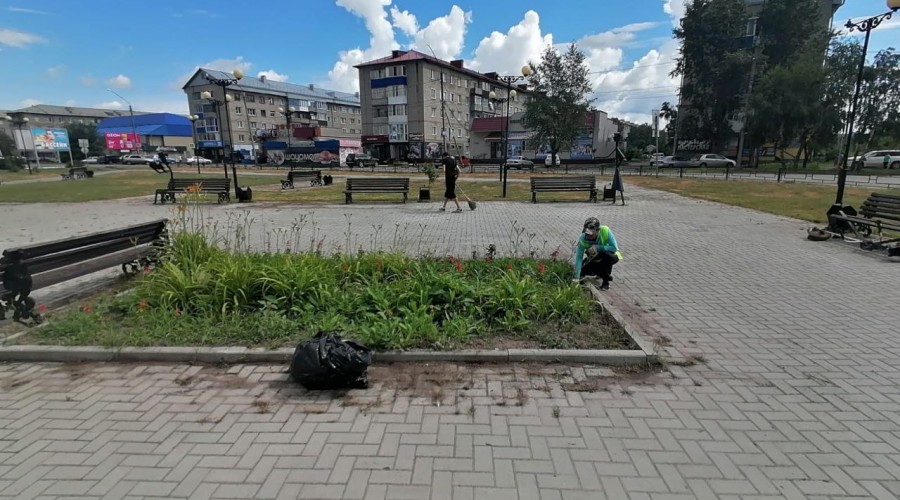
[(415, 55)]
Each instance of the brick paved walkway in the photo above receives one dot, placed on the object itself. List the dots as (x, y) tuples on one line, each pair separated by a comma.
[(795, 394)]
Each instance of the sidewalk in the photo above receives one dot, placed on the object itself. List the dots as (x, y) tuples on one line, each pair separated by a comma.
[(792, 391)]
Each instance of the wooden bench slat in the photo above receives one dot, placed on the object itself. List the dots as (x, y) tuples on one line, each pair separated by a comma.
[(563, 184), (376, 185), (37, 250)]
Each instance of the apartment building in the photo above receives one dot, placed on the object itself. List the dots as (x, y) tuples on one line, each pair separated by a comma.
[(254, 118), (52, 116), (415, 106)]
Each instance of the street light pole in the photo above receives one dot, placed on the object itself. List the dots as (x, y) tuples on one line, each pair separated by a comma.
[(194, 119), (225, 83), (19, 123), (510, 95), (134, 135), (866, 26)]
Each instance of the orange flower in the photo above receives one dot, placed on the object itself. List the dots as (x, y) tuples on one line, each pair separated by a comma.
[(459, 266), (541, 268), (380, 264), (147, 269), (142, 305), (41, 308), (87, 308), (177, 312), (345, 267), (509, 266)]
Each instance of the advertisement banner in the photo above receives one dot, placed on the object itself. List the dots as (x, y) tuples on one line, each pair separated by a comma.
[(583, 147), (122, 140), (321, 154), (50, 139)]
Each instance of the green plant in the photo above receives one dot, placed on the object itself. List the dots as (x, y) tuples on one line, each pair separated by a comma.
[(430, 171)]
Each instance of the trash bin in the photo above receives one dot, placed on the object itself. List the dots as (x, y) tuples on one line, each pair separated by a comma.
[(244, 194), (424, 194)]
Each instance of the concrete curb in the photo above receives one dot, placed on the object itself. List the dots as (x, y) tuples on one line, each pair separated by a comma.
[(647, 348), (235, 355)]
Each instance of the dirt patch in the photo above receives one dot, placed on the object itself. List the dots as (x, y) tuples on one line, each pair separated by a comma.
[(601, 331)]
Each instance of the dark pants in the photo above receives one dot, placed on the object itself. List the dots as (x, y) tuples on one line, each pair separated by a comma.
[(601, 266)]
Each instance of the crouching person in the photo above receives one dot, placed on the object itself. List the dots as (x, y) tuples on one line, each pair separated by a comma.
[(596, 252)]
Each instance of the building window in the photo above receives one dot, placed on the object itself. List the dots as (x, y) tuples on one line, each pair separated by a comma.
[(379, 93), (251, 98), (271, 101), (251, 111), (433, 131), (262, 113), (254, 125), (195, 95), (240, 123), (751, 26), (433, 112), (238, 110), (343, 121), (397, 90), (398, 110), (459, 132), (434, 93), (376, 74), (451, 79), (241, 137), (433, 75)]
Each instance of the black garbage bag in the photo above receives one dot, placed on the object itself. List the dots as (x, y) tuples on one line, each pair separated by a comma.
[(327, 361)]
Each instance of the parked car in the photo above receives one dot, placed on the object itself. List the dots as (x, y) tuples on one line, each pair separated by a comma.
[(361, 160), (674, 162), (711, 160), (549, 158), (91, 160), (519, 162), (875, 159), (194, 159), (135, 160)]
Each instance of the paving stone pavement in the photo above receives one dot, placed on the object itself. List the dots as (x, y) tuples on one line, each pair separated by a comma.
[(788, 389)]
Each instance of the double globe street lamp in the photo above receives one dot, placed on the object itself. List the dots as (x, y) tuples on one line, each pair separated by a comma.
[(510, 96), (863, 26), (288, 114), (224, 83)]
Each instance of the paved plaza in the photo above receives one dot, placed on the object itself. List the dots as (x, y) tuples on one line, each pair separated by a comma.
[(790, 389)]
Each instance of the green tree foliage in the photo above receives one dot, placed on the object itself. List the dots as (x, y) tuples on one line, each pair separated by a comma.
[(7, 145), (640, 137), (85, 131), (787, 28), (713, 61), (556, 112), (878, 118)]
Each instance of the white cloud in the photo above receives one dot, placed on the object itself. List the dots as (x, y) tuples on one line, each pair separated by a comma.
[(22, 10), (507, 53), (227, 65), (119, 81), (55, 71), (675, 9), (70, 102), (343, 76), (30, 102), (88, 80), (110, 105), (18, 39), (273, 75), (404, 20), (445, 34)]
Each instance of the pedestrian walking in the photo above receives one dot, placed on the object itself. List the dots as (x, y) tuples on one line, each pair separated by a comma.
[(451, 173)]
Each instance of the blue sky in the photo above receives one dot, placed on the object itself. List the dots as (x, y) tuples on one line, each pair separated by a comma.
[(61, 51)]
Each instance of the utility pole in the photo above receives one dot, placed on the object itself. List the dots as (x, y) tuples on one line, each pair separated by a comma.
[(130, 112)]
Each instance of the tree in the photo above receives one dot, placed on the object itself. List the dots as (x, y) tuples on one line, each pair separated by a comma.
[(7, 145), (878, 118), (714, 63), (787, 28), (556, 112), (85, 131)]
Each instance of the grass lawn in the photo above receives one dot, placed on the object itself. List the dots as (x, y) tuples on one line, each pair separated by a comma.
[(123, 184), (21, 175), (797, 200)]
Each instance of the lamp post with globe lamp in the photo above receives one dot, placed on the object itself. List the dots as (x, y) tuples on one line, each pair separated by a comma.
[(510, 96), (864, 26), (224, 83), (194, 119)]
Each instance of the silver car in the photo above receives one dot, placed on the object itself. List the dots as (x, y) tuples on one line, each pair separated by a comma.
[(673, 162), (711, 160), (875, 159), (519, 162)]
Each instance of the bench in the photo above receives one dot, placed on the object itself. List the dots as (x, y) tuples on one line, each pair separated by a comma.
[(220, 187), (313, 176), (28, 268), (77, 173), (879, 211), (563, 184), (376, 185)]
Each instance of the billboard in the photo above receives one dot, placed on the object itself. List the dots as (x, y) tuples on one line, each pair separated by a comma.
[(582, 147), (115, 140), (50, 139)]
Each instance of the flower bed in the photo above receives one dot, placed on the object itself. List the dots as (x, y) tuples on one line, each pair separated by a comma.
[(203, 295)]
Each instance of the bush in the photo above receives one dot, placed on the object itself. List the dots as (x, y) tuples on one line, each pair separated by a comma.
[(386, 300), (12, 164)]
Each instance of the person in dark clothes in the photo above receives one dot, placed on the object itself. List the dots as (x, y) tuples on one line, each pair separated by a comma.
[(451, 173)]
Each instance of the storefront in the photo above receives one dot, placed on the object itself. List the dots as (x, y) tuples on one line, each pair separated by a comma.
[(349, 146), (378, 146)]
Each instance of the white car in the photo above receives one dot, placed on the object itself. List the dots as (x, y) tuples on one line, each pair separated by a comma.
[(875, 159), (519, 162), (549, 158), (194, 159), (91, 160), (711, 160), (135, 160)]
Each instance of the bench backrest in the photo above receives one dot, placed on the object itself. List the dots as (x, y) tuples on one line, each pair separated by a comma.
[(882, 206), (216, 185), (61, 260), (392, 183), (567, 182), (304, 174)]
